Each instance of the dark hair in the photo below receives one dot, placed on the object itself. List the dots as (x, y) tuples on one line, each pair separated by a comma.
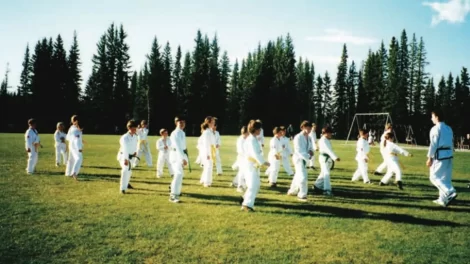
[(305, 123), (326, 130), (387, 137), (253, 126), (276, 130), (143, 122), (244, 130), (363, 132), (439, 114), (31, 121), (131, 124)]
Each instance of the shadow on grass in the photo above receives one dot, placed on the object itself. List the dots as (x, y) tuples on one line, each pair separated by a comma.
[(346, 213), (102, 167), (389, 192)]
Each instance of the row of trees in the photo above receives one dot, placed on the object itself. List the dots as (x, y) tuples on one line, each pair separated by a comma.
[(271, 83)]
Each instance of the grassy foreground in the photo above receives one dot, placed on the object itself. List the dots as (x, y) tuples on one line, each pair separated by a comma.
[(48, 218)]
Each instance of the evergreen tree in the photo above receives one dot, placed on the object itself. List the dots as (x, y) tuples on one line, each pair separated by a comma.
[(133, 98), (319, 103), (362, 99), (186, 80), (351, 84), (214, 95), (122, 105), (60, 80), (157, 102), (393, 84), (465, 90), (420, 79), (24, 89), (326, 91), (450, 99), (177, 82), (167, 89), (429, 98), (401, 107), (413, 72), (72, 95), (340, 102), (224, 83), (384, 64), (233, 101)]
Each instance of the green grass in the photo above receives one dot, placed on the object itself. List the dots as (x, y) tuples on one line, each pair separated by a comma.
[(48, 218)]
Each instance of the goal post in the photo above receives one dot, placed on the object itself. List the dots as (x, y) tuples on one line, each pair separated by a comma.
[(356, 122)]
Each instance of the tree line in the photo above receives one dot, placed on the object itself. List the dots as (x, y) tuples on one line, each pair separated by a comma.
[(271, 83)]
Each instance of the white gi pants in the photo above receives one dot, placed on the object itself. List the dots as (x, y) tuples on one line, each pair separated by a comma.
[(311, 162), (163, 159), (441, 176), (32, 161), (393, 167), (144, 148), (206, 176), (218, 162), (381, 168), (361, 171), (177, 182), (125, 174), (61, 152), (74, 163), (253, 183), (323, 180), (273, 170), (299, 183), (286, 165)]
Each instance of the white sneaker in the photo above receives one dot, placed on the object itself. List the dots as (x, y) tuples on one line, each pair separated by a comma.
[(174, 199), (450, 197), (291, 193), (240, 190), (439, 202)]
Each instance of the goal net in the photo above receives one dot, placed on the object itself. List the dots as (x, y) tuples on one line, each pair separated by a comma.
[(374, 123)]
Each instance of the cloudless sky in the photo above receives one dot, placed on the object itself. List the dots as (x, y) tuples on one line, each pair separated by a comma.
[(318, 27)]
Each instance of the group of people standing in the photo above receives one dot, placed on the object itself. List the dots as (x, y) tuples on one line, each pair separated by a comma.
[(250, 156)]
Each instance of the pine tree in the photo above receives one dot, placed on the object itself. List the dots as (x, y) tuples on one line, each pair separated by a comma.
[(351, 84), (214, 94), (384, 64), (290, 80), (177, 82), (122, 110), (340, 102), (157, 103), (312, 83), (441, 96), (167, 89), (401, 108), (429, 98), (414, 64), (319, 103), (449, 99), (24, 89), (362, 99), (420, 79), (326, 91), (186, 80), (233, 101), (392, 88), (60, 81), (133, 97), (72, 95), (224, 83), (465, 89)]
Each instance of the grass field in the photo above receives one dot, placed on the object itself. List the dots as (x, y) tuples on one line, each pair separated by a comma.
[(49, 218)]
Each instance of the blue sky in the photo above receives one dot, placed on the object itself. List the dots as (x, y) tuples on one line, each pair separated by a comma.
[(319, 27)]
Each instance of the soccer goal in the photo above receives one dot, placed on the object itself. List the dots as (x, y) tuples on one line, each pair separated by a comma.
[(374, 123)]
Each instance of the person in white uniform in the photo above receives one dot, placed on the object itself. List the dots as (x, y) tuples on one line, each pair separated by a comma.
[(253, 161), (286, 153), (383, 165), (362, 157), (198, 147), (127, 152), (60, 145), (178, 158), (260, 137), (274, 157), (143, 145), (391, 152), (440, 159), (75, 140), (313, 138), (303, 152), (207, 150), (32, 143), (218, 160), (326, 158), (239, 179), (163, 147)]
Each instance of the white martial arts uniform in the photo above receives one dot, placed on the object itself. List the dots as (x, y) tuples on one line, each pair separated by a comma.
[(198, 146), (326, 158), (60, 147), (384, 163), (31, 138), (260, 139), (391, 151), (254, 159), (163, 147), (207, 150), (302, 148), (239, 180), (313, 138), (143, 146), (362, 158), (177, 156), (218, 160), (441, 153), (286, 152), (274, 159), (128, 147), (74, 162)]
